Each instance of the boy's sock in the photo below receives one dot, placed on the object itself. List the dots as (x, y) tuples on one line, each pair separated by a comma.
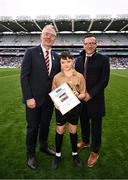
[(58, 142), (73, 138)]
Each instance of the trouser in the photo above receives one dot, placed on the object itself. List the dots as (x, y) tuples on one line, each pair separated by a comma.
[(38, 122), (91, 129)]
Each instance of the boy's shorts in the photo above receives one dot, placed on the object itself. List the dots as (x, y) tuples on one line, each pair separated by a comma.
[(71, 117)]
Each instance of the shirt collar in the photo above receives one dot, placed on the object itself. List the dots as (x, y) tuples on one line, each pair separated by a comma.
[(44, 50), (89, 55)]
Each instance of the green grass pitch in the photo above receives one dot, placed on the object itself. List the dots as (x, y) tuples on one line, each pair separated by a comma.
[(113, 161)]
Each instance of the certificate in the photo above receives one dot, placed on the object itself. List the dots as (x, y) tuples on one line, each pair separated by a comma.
[(64, 98)]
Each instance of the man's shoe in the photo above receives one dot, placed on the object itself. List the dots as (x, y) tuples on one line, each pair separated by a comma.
[(32, 163), (55, 162), (77, 160), (93, 157), (48, 151), (82, 145)]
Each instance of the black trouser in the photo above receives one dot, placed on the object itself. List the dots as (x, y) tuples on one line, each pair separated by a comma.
[(38, 122), (91, 128)]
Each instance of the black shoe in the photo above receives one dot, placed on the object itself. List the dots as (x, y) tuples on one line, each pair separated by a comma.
[(77, 160), (32, 163), (48, 151), (55, 162)]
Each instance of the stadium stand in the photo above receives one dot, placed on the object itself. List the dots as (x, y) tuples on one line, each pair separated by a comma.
[(18, 34)]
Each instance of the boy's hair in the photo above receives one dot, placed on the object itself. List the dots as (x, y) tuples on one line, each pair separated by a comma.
[(66, 54)]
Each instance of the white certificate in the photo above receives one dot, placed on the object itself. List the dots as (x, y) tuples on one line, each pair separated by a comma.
[(64, 98)]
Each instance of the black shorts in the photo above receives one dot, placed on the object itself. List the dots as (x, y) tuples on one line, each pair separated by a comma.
[(71, 117)]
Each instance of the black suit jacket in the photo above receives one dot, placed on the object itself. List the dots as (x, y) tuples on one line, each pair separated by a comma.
[(98, 70), (35, 81)]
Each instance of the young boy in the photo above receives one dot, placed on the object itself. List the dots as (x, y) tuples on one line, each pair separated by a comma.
[(77, 83)]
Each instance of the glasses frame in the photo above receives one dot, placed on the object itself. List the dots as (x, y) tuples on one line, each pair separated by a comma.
[(90, 44), (47, 34)]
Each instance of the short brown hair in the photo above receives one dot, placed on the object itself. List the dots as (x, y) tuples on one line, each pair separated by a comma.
[(89, 35), (66, 54)]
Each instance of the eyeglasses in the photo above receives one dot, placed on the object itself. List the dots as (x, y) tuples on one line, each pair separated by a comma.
[(90, 44), (49, 34)]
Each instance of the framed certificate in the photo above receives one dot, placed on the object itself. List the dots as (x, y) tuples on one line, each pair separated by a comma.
[(64, 98)]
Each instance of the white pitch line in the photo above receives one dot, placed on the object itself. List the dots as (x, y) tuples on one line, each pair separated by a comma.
[(120, 75), (14, 75)]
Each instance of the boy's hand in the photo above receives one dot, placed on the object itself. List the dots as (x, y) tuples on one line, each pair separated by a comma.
[(76, 93), (57, 107)]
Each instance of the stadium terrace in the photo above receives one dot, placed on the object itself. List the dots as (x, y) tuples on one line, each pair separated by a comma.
[(18, 34)]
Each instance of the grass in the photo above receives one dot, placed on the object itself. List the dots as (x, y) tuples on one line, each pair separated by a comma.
[(113, 161)]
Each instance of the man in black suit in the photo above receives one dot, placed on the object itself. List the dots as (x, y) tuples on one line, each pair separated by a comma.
[(39, 66), (95, 67)]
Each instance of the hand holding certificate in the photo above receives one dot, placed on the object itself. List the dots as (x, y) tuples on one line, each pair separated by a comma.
[(64, 98)]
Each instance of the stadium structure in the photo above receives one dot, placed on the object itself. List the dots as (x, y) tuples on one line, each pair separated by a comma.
[(22, 32)]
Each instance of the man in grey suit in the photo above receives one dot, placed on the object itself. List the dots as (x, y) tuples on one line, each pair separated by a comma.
[(95, 67), (39, 66)]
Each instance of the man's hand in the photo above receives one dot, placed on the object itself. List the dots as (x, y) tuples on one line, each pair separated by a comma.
[(87, 97), (31, 103)]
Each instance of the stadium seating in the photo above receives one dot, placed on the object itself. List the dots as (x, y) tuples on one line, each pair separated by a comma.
[(16, 35)]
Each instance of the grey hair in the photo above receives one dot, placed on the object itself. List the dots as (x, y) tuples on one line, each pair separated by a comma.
[(50, 26)]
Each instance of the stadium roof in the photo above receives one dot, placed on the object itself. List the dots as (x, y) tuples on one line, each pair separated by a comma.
[(78, 24)]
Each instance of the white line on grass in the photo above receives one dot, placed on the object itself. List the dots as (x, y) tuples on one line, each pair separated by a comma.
[(120, 75), (9, 76)]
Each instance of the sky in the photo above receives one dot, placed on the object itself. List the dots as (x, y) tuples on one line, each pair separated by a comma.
[(53, 8)]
